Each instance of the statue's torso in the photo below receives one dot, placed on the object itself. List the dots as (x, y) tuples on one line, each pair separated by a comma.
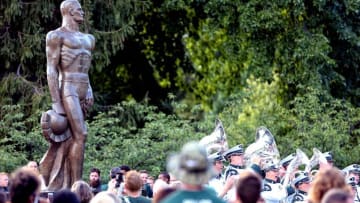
[(75, 61)]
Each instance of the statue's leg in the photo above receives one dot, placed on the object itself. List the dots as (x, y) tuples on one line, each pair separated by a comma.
[(76, 120)]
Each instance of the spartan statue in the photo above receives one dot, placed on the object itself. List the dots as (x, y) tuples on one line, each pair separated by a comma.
[(68, 54)]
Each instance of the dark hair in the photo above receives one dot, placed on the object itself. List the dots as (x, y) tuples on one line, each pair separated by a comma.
[(336, 196), (24, 184), (125, 168), (65, 195), (96, 170), (162, 193), (166, 175), (248, 188)]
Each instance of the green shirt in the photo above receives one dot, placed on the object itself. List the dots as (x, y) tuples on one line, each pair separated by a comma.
[(205, 195), (139, 199)]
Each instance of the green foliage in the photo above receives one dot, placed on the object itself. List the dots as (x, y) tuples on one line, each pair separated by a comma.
[(137, 135)]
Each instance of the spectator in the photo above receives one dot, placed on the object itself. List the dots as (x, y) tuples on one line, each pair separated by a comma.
[(124, 169), (165, 177), (65, 196), (3, 197), (95, 181), (162, 193), (193, 169), (146, 190), (324, 181), (34, 166), (248, 188), (150, 181), (133, 184), (25, 186), (82, 190), (337, 196), (4, 182), (105, 197), (159, 185), (116, 185)]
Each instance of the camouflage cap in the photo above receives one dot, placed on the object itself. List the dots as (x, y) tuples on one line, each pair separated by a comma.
[(191, 165)]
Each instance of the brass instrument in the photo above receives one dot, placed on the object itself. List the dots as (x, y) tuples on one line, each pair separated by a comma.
[(216, 141), (300, 159), (264, 148), (317, 158)]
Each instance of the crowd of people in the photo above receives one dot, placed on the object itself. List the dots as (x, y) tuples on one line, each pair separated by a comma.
[(194, 176)]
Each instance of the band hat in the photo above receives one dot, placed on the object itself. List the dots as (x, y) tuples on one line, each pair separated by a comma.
[(216, 157), (301, 177), (285, 161), (238, 149), (270, 165), (328, 156), (353, 168), (191, 165)]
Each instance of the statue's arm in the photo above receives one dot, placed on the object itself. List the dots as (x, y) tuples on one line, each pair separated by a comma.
[(89, 96), (53, 48)]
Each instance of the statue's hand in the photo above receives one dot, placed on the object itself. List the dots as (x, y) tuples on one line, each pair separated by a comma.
[(89, 101), (58, 108)]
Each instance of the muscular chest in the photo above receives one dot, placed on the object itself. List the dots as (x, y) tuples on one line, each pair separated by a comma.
[(78, 41)]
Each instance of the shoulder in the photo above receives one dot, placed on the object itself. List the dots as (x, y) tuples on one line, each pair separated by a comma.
[(53, 36)]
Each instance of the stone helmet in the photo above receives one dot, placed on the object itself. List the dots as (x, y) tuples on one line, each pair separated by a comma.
[(55, 127)]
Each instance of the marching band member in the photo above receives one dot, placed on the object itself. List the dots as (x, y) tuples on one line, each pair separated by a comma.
[(235, 156), (352, 173), (272, 191), (217, 182), (302, 185)]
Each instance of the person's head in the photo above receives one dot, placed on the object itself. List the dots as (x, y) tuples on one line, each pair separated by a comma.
[(82, 190), (329, 158), (337, 196), (302, 181), (271, 170), (235, 155), (33, 165), (72, 8), (218, 162), (4, 179), (105, 197), (25, 186), (162, 193), (124, 169), (94, 177), (144, 175), (191, 165), (353, 170), (324, 181), (284, 164), (248, 187), (65, 195), (150, 180), (164, 176), (133, 181)]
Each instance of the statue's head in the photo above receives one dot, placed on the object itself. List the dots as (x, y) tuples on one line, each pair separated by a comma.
[(67, 6)]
